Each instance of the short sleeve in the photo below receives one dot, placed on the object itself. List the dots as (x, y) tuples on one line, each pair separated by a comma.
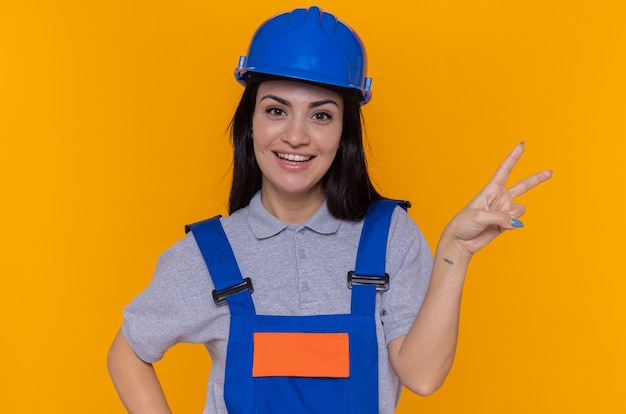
[(409, 264), (177, 305)]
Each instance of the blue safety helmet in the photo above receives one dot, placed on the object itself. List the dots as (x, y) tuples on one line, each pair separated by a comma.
[(310, 45)]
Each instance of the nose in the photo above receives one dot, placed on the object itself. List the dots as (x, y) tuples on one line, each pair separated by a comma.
[(296, 133)]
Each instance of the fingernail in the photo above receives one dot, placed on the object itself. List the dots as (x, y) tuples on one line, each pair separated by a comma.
[(516, 223), (523, 142)]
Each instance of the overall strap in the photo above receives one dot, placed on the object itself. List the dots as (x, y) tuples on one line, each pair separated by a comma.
[(369, 274), (230, 287)]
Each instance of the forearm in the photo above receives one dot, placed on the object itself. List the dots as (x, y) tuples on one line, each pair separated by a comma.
[(135, 380), (423, 358)]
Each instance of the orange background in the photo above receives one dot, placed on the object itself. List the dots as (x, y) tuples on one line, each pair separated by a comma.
[(112, 127)]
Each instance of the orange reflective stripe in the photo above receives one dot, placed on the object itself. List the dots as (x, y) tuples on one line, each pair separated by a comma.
[(301, 354)]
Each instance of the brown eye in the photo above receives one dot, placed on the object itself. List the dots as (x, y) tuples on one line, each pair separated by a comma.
[(274, 111), (322, 116)]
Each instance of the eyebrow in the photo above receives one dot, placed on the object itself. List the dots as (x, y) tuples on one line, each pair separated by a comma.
[(311, 105)]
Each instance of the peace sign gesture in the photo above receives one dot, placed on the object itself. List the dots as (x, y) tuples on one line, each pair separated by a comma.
[(423, 357), (493, 210)]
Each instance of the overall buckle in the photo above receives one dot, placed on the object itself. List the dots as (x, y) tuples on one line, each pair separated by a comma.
[(381, 283), (220, 297)]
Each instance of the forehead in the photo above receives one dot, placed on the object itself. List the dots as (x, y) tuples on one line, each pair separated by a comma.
[(294, 91)]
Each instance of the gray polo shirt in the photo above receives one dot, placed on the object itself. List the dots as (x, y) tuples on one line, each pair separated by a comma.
[(297, 269)]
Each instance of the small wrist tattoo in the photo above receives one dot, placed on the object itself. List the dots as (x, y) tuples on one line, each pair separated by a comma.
[(448, 261)]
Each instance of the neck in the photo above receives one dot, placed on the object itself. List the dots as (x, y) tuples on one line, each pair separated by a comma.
[(293, 208)]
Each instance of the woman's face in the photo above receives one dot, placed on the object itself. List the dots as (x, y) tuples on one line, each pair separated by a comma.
[(296, 129)]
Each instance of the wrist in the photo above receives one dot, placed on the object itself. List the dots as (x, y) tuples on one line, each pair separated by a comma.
[(451, 252)]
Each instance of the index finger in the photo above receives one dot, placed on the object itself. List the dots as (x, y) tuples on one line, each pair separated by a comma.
[(503, 172)]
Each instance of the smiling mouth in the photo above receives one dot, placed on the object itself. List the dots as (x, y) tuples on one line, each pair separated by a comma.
[(295, 158)]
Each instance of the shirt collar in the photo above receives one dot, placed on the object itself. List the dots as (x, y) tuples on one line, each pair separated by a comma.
[(265, 225)]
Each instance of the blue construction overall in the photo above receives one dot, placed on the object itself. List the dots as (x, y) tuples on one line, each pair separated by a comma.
[(301, 364)]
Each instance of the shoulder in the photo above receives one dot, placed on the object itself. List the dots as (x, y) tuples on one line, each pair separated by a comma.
[(402, 225), (181, 265), (182, 253), (405, 236)]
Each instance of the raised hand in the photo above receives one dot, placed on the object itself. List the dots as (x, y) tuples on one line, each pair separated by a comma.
[(493, 210)]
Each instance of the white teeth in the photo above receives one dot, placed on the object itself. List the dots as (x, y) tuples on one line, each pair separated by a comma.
[(293, 157)]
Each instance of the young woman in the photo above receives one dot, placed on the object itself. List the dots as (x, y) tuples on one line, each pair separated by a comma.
[(297, 336)]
